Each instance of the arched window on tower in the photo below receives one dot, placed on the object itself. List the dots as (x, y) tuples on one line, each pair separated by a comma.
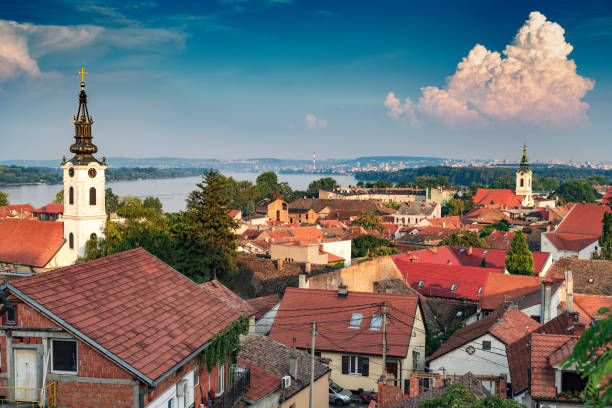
[(92, 196), (71, 240), (71, 196), (522, 182)]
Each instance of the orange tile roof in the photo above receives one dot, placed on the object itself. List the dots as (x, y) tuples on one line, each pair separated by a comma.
[(542, 373), (51, 209), (228, 297), (584, 219), (30, 242), (447, 222), (500, 287), (132, 307), (263, 304), (591, 304), (299, 306), (15, 210), (262, 382), (497, 197), (306, 233), (570, 242)]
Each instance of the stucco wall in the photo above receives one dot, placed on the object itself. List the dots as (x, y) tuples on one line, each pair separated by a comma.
[(339, 248), (302, 398), (298, 253)]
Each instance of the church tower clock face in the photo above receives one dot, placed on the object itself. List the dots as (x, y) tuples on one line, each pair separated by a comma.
[(92, 173)]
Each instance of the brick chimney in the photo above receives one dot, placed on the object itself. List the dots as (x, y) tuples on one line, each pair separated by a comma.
[(569, 291), (545, 300), (342, 291), (293, 363)]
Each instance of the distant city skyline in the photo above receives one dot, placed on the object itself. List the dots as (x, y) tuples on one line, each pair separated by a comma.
[(233, 79)]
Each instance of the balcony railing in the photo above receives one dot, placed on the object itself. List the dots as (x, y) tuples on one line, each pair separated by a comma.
[(240, 383), (29, 397)]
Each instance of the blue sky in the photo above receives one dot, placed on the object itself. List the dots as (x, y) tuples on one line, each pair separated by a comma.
[(241, 78)]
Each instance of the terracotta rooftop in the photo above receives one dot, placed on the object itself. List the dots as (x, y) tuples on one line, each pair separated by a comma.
[(583, 219), (228, 297), (335, 205), (334, 314), (51, 209), (542, 373), (30, 242), (272, 357), (570, 242), (500, 197), (590, 276), (508, 325), (263, 304), (15, 210), (591, 304), (132, 307), (500, 287)]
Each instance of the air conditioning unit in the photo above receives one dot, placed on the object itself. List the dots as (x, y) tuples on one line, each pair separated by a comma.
[(286, 381)]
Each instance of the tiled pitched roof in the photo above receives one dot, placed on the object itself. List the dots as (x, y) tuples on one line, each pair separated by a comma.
[(562, 352), (519, 352), (335, 205), (591, 304), (471, 382), (228, 297), (570, 242), (438, 279), (607, 198), (486, 215), (497, 197), (333, 315), (273, 357), (263, 304), (590, 276), (500, 287), (30, 242), (331, 223), (15, 210), (415, 208), (500, 240), (542, 373), (262, 382), (508, 325), (583, 219), (306, 233), (51, 209), (447, 222), (132, 306)]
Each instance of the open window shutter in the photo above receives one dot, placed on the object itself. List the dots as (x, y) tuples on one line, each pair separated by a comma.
[(365, 366), (345, 364)]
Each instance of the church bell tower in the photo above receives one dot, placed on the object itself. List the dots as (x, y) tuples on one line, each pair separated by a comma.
[(84, 183), (523, 180)]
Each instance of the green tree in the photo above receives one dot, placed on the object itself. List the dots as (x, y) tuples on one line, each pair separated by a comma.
[(133, 207), (577, 191), (503, 182), (285, 191), (519, 260), (326, 183), (191, 200), (605, 240), (205, 235), (494, 401), (111, 200), (383, 184), (465, 238), (592, 355), (153, 203), (454, 206), (267, 184), (4, 198), (369, 245), (59, 197), (369, 221), (456, 396), (545, 183)]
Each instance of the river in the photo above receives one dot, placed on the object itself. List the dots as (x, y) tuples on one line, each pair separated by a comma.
[(171, 192)]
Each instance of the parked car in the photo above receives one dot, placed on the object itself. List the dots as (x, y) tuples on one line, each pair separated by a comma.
[(338, 395), (365, 397)]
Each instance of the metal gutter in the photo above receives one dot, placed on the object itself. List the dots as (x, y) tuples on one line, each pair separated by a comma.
[(78, 333), (180, 364)]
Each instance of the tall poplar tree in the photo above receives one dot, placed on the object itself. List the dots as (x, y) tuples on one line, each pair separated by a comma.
[(605, 240), (519, 260)]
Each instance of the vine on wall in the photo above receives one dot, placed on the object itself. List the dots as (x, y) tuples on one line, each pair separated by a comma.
[(225, 344)]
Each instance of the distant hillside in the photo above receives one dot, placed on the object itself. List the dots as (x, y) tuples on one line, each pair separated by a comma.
[(465, 176)]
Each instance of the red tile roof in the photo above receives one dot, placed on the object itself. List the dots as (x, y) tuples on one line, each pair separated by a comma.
[(263, 304), (591, 304), (331, 223), (447, 222), (51, 209), (333, 314), (262, 382), (563, 352), (607, 198), (496, 258), (228, 297), (584, 219), (508, 325), (306, 233), (542, 373), (234, 213), (500, 240), (30, 242), (131, 306), (15, 210), (499, 197), (500, 287), (485, 215), (438, 279), (570, 242)]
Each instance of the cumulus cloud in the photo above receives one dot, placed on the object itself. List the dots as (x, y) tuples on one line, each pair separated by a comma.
[(313, 122), (397, 110), (21, 44), (534, 82)]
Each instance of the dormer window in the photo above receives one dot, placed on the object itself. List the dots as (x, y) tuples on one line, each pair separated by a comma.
[(421, 284), (355, 322), (480, 290), (376, 322), (454, 287)]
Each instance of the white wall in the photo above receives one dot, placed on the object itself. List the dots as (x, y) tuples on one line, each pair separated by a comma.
[(170, 394), (339, 248), (482, 362)]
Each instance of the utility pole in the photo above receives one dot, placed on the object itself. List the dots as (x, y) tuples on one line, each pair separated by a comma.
[(312, 364), (384, 336)]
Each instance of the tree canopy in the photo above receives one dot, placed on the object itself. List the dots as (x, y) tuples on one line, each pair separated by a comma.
[(326, 183), (369, 221), (454, 206), (503, 182), (369, 245), (464, 238), (605, 240), (577, 191), (59, 197), (519, 259), (459, 396), (3, 198)]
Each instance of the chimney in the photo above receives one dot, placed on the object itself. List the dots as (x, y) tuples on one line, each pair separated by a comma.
[(302, 280), (293, 365), (569, 291), (279, 264), (342, 291), (545, 300), (469, 251), (307, 267), (579, 328)]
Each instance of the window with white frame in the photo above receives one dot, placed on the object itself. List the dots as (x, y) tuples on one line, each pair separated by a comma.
[(221, 377), (355, 322), (421, 284), (356, 365), (416, 358), (64, 356), (376, 322), (454, 287)]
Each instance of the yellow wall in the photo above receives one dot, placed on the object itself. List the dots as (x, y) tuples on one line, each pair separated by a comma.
[(320, 395), (298, 253)]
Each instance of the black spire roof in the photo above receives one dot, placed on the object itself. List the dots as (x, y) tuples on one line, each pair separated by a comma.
[(524, 161), (83, 148)]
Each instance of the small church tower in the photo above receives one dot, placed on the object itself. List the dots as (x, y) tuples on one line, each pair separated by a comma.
[(84, 183), (523, 181)]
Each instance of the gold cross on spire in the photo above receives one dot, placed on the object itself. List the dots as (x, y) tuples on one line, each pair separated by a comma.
[(82, 73)]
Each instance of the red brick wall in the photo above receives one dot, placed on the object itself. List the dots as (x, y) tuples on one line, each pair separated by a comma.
[(94, 395), (94, 364), (389, 395), (28, 317)]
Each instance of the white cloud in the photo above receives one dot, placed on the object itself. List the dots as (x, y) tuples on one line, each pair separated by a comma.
[(21, 44), (397, 110), (313, 122), (533, 82)]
